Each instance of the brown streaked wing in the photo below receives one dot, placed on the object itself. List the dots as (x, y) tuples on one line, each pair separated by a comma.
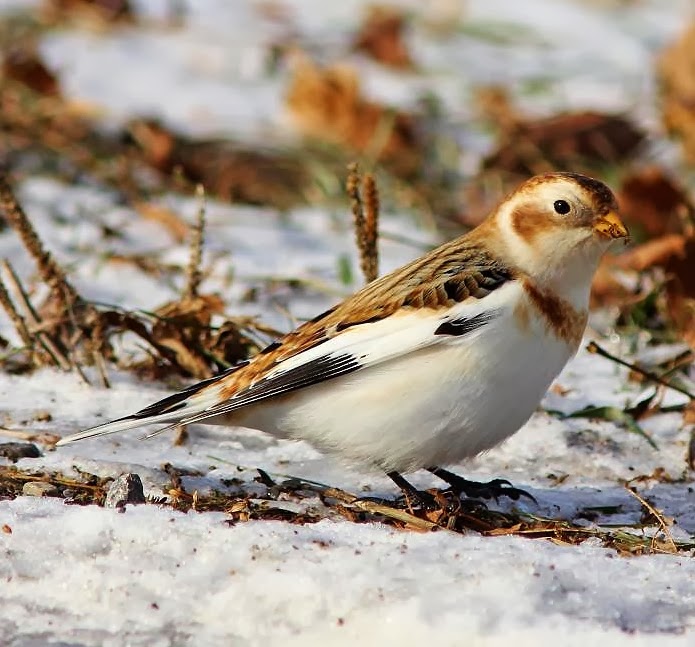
[(450, 274)]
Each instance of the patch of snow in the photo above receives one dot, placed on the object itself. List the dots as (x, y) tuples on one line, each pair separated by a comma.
[(156, 577)]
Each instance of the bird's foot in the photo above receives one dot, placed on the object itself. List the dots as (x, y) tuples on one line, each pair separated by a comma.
[(412, 497), (475, 490)]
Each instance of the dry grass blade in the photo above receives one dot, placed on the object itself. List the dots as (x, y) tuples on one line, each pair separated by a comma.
[(671, 546), (593, 347), (365, 219), (193, 273), (244, 505), (42, 437), (17, 319), (372, 507), (50, 272), (37, 335)]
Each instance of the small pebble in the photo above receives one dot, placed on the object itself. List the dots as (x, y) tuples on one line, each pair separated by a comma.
[(39, 488), (15, 451), (127, 488)]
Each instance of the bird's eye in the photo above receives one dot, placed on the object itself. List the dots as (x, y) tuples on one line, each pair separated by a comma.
[(562, 207)]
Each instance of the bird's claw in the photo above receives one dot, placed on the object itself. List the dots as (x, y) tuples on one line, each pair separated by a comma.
[(491, 490)]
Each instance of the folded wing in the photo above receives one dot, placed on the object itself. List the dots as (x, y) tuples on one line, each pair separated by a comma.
[(398, 314)]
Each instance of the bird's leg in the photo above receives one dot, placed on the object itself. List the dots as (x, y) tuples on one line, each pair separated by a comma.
[(475, 490), (413, 496)]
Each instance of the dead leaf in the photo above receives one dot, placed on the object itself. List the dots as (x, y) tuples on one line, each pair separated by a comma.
[(609, 289), (653, 202), (23, 64), (680, 291), (226, 169), (658, 251), (381, 36), (199, 308), (327, 104), (90, 11), (571, 142)]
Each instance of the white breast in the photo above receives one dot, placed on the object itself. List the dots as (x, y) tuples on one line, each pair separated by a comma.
[(434, 406)]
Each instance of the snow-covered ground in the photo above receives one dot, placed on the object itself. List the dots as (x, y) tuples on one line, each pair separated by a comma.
[(90, 576)]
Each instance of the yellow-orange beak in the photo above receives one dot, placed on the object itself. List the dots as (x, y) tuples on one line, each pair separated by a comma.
[(611, 226)]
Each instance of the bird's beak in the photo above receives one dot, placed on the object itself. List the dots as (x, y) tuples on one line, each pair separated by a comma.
[(611, 226)]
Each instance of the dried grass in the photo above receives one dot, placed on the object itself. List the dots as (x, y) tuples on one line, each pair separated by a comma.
[(68, 332), (365, 212), (452, 515)]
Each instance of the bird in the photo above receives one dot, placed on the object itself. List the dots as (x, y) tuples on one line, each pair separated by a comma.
[(435, 362)]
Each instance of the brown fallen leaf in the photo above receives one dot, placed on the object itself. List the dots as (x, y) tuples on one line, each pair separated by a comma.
[(92, 12), (327, 104), (674, 256), (680, 290), (381, 36), (658, 251), (578, 141), (225, 168), (23, 64), (653, 202)]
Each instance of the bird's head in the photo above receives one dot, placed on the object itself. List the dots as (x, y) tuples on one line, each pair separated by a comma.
[(558, 225)]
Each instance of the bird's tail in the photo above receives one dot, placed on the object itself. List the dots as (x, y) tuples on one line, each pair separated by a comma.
[(172, 410)]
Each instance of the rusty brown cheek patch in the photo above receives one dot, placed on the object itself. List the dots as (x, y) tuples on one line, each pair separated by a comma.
[(561, 318), (528, 222)]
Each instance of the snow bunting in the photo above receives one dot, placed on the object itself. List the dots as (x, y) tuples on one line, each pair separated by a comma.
[(435, 362)]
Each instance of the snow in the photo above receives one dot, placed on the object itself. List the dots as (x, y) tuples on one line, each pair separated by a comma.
[(156, 577), (152, 576)]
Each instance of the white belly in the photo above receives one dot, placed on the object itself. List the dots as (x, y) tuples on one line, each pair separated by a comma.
[(435, 406)]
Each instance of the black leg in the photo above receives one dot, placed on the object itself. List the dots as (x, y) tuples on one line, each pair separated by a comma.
[(412, 494), (490, 490)]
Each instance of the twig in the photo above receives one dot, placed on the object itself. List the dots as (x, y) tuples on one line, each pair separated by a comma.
[(36, 436), (50, 272), (193, 273), (48, 345), (98, 343), (672, 548), (365, 219), (19, 291), (593, 347), (17, 319), (372, 507)]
